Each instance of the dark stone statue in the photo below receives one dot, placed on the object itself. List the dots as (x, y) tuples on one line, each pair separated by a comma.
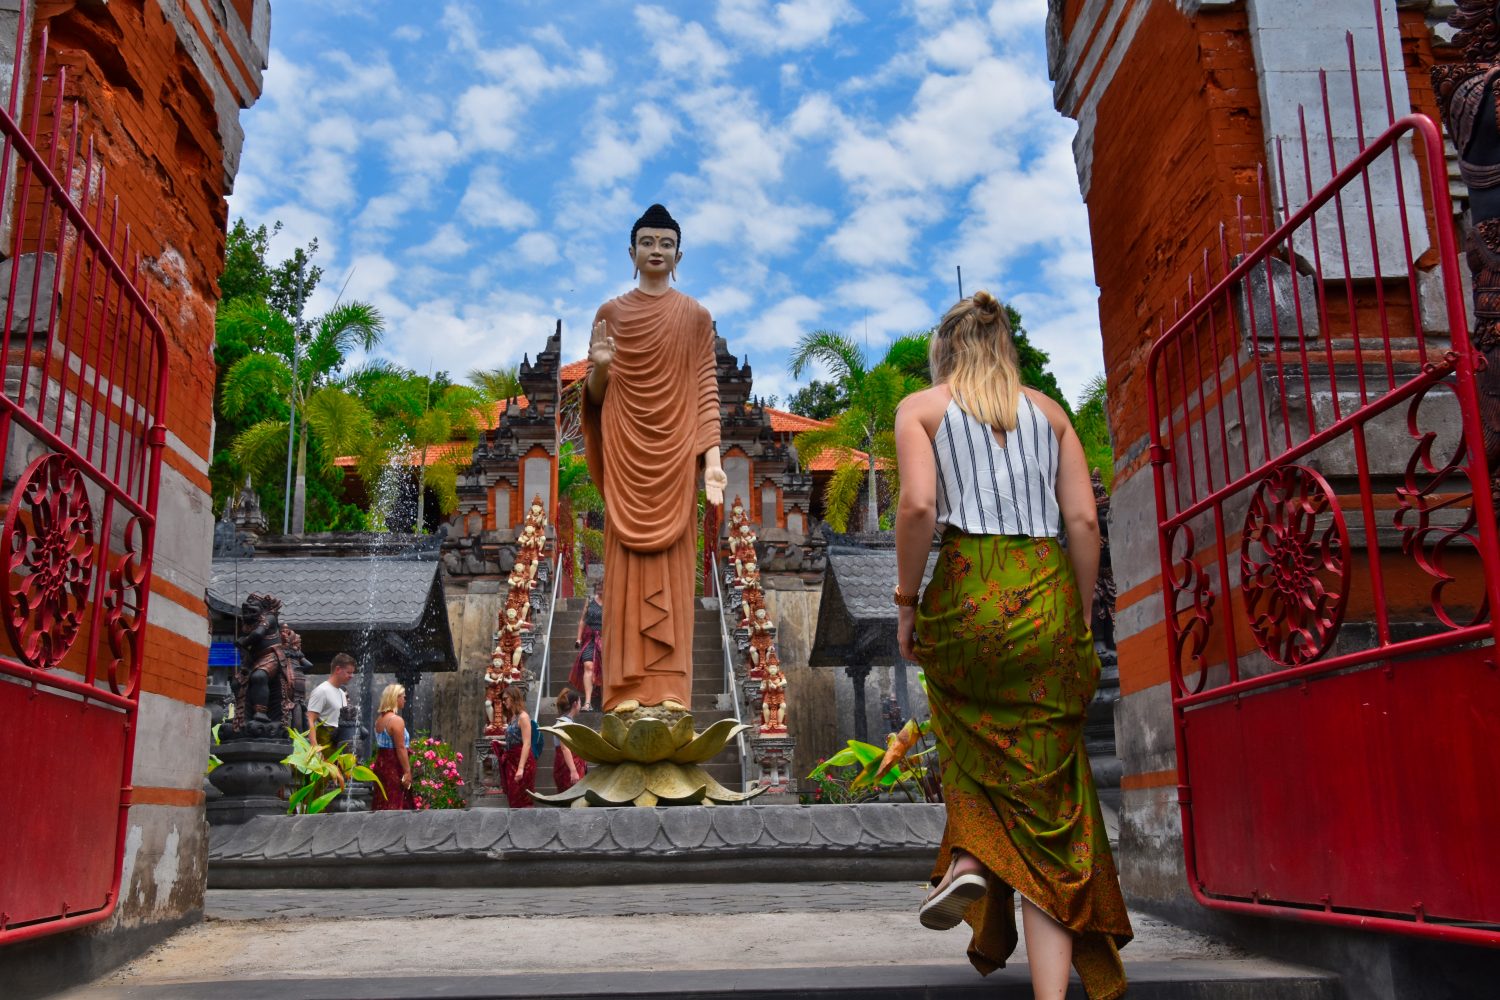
[(1466, 97), (1104, 589), (291, 642), (265, 682)]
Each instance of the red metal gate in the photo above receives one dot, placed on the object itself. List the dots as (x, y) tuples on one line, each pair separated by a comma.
[(1329, 559), (84, 361)]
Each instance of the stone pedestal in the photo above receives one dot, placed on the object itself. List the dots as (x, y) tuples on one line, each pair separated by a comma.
[(484, 777), (252, 780), (772, 755)]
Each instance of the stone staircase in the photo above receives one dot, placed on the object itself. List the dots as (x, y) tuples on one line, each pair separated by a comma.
[(708, 686)]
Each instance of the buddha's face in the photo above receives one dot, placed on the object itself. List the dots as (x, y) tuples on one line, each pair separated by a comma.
[(655, 251), (510, 615)]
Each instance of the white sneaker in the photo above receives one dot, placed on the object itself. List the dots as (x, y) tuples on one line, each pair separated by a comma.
[(945, 907)]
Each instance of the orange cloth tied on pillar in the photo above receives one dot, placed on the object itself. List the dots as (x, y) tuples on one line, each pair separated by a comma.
[(644, 445)]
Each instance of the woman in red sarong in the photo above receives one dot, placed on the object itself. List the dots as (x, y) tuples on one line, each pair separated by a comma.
[(567, 767), (517, 763), (392, 761), (588, 665)]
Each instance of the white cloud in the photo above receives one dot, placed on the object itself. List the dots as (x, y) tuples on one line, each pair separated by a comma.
[(1012, 17), (780, 326), (683, 50), (726, 301), (488, 203), (886, 303), (957, 126), (407, 33), (616, 155), (447, 243), (539, 249), (487, 118), (958, 46), (884, 231), (794, 24)]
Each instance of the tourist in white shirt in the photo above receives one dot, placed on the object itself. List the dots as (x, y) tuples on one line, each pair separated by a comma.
[(328, 700)]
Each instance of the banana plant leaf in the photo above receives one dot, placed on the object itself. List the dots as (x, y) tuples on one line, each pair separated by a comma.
[(361, 773), (321, 802), (299, 796)]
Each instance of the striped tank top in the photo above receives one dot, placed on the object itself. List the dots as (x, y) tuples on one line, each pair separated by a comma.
[(985, 488)]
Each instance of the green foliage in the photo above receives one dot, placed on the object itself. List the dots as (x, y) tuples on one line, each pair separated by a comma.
[(259, 329), (574, 484), (319, 771), (213, 758), (818, 400), (861, 771), (1091, 421)]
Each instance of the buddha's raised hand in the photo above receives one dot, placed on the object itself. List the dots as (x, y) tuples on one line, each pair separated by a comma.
[(601, 345)]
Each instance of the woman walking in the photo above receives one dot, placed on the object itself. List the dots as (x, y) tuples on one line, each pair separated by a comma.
[(517, 763), (588, 665), (392, 752), (567, 767), (1002, 634)]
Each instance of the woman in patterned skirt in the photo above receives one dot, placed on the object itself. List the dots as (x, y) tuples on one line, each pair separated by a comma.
[(588, 666), (392, 752), (1002, 634), (517, 762)]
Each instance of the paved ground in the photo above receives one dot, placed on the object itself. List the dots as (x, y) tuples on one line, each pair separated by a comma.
[(507, 942)]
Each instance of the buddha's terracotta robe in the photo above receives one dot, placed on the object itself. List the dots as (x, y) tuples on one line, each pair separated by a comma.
[(644, 445)]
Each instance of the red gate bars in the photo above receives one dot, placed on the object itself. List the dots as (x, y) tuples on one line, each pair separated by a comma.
[(81, 433), (1332, 644)]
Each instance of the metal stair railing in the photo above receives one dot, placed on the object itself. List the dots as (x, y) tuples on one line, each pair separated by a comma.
[(726, 645), (541, 673)]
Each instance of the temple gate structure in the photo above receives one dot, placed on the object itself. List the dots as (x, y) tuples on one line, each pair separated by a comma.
[(1304, 542), (112, 231)]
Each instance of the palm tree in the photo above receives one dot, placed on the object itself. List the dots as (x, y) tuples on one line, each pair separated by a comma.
[(315, 354), (457, 413), (497, 383), (576, 494), (867, 424), (1091, 421)]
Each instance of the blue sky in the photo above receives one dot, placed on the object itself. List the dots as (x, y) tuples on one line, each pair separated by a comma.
[(473, 168)]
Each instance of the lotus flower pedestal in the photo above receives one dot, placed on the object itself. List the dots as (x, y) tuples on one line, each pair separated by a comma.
[(647, 761)]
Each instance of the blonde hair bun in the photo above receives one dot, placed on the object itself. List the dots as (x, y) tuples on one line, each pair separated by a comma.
[(987, 305)]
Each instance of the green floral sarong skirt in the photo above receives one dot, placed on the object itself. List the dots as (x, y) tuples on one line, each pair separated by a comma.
[(1011, 669)]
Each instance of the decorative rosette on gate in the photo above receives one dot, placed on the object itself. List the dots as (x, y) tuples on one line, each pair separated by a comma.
[(646, 762)]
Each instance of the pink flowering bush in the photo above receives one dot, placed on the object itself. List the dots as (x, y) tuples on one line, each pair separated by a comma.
[(436, 781)]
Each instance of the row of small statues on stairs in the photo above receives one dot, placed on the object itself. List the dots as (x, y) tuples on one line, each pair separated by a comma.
[(514, 638), (761, 680), (756, 634)]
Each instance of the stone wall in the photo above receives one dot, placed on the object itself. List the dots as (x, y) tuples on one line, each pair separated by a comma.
[(458, 697), (159, 86)]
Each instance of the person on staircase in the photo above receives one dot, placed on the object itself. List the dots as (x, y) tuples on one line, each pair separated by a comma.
[(567, 768), (517, 762), (1002, 635), (588, 666), (392, 752)]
